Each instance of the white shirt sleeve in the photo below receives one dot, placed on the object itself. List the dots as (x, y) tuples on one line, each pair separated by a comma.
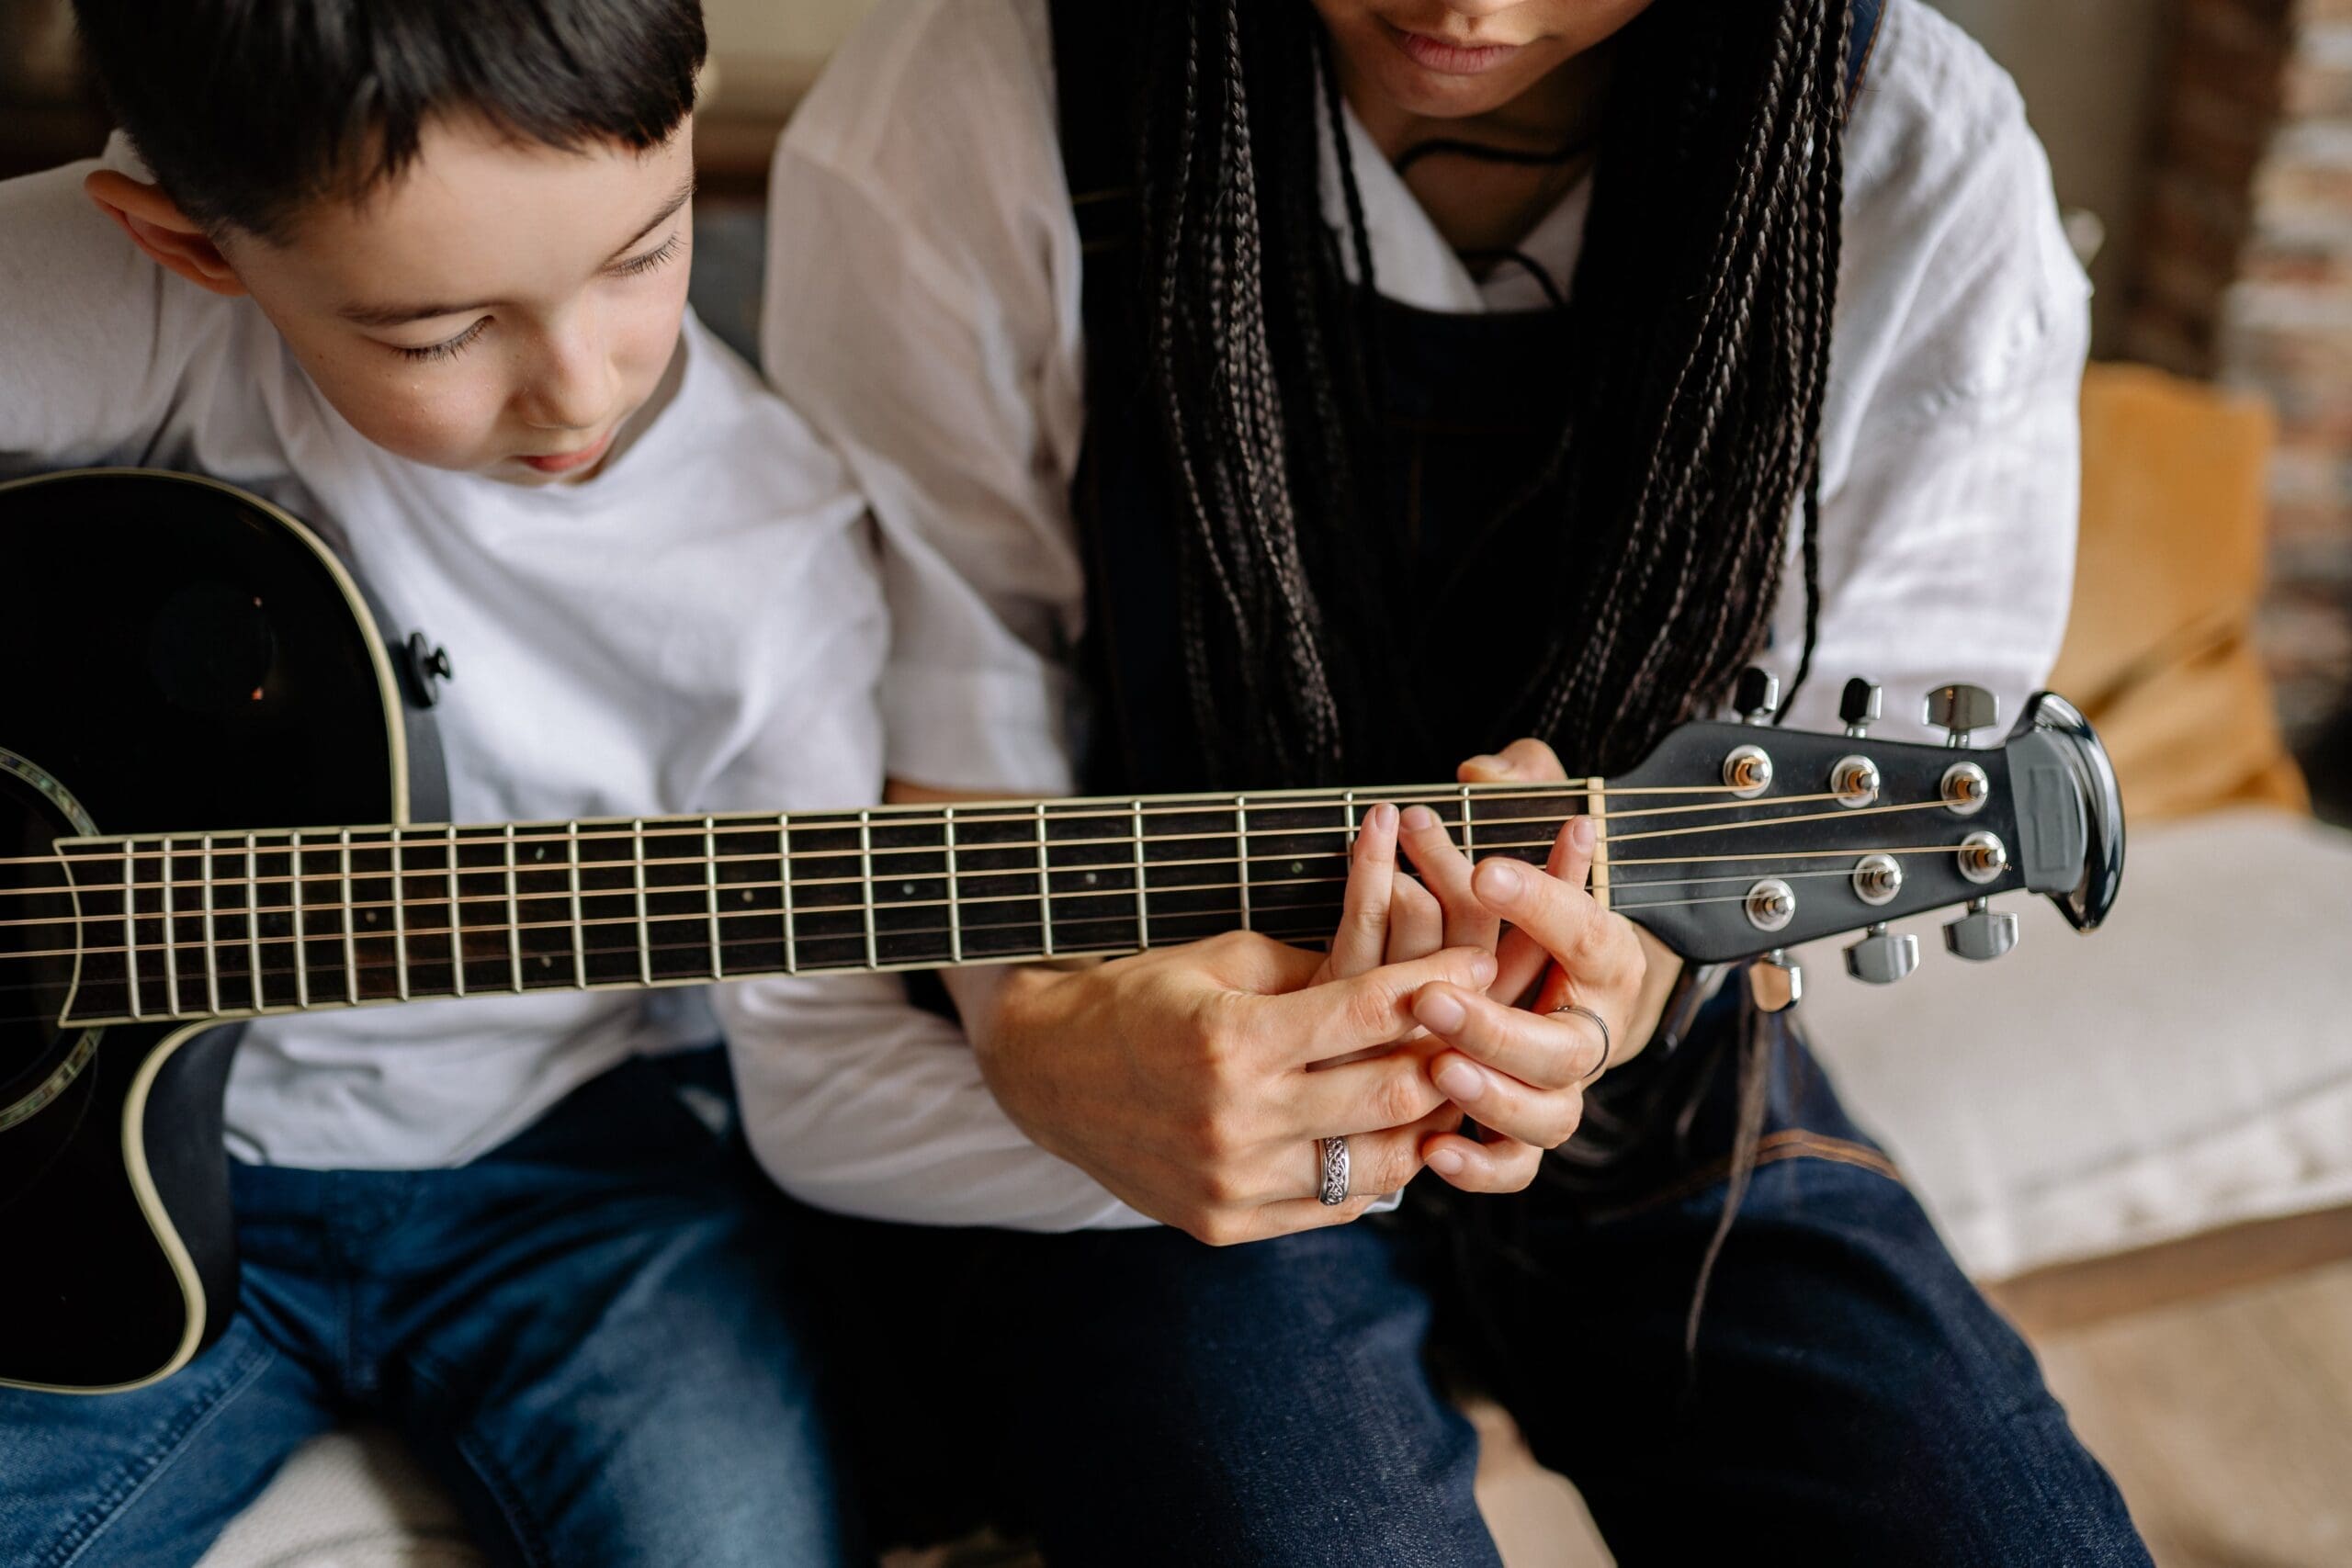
[(95, 338), (923, 311), (1951, 450), (854, 1099)]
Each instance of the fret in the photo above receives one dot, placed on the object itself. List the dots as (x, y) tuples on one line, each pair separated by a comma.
[(866, 874), (457, 921), (997, 876), (171, 931), (514, 917), (710, 886), (296, 902), (252, 921), (579, 930), (1469, 844), (784, 875), (644, 926), (955, 897), (211, 955), (400, 921), (350, 937), (130, 929), (1143, 903), (1045, 885), (1242, 856), (1597, 807)]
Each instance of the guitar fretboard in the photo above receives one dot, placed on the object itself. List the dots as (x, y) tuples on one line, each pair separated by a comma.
[(237, 924)]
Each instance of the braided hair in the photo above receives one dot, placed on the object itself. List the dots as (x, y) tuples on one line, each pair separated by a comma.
[(1699, 319)]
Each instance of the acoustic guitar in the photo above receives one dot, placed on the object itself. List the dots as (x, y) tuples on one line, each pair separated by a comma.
[(219, 798)]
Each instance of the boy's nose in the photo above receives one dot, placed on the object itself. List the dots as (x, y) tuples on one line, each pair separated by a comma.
[(571, 387)]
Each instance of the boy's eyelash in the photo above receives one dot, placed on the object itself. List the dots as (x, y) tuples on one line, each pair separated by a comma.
[(453, 345), (650, 259)]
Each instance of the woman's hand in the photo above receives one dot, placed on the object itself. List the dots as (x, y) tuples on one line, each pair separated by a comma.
[(1521, 1070), (1177, 1078)]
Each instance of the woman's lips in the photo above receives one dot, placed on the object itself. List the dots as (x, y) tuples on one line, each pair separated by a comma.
[(1450, 59), (572, 462)]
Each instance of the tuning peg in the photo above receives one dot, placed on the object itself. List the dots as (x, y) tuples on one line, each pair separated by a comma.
[(1758, 696), (1959, 710), (1858, 708), (1774, 981), (1982, 933), (1882, 958)]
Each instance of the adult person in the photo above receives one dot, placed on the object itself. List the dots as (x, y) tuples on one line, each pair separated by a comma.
[(1328, 390)]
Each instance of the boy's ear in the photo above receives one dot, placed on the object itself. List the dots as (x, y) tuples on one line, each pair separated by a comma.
[(158, 227)]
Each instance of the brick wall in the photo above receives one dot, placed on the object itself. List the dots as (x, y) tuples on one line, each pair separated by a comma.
[(2246, 276)]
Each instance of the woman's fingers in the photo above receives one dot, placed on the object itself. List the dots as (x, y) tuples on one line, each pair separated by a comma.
[(1596, 948), (1416, 920), (1446, 872), (1520, 960), (1542, 1050), (1545, 1117), (1501, 1165), (1362, 940)]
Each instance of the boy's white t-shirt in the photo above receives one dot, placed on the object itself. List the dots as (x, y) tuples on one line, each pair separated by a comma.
[(697, 627)]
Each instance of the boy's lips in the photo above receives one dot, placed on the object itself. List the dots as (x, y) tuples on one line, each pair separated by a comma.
[(1448, 58), (571, 462)]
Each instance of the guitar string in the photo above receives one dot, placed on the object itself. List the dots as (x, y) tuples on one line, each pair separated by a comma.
[(706, 891), (846, 820), (635, 954), (236, 853)]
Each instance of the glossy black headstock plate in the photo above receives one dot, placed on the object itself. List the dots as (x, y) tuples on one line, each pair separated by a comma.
[(1684, 853)]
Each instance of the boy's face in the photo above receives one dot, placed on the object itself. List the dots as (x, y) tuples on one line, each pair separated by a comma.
[(501, 307)]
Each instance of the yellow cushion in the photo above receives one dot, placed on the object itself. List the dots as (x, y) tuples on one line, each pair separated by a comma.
[(2159, 653)]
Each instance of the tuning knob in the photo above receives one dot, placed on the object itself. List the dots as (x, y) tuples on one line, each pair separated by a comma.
[(1859, 706), (1982, 933), (1758, 696), (1774, 981), (1959, 710), (1882, 958)]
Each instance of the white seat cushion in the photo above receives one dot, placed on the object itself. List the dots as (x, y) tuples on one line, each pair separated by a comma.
[(2186, 1066)]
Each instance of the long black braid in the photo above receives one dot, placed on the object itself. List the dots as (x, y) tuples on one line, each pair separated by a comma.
[(1700, 315)]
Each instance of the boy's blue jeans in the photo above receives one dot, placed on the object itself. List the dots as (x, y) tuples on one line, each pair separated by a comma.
[(588, 1334)]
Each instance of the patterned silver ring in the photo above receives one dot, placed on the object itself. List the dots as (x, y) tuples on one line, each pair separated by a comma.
[(1334, 1191), (1598, 1022)]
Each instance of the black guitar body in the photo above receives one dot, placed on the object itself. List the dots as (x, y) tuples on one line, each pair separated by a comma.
[(205, 666)]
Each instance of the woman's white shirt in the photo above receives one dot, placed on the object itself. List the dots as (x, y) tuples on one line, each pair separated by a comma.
[(923, 310)]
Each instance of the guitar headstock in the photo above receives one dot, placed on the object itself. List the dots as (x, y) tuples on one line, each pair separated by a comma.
[(1734, 840)]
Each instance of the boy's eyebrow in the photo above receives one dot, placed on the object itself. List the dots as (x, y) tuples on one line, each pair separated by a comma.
[(400, 315)]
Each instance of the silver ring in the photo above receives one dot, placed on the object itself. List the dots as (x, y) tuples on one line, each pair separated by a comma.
[(1599, 1022), (1334, 1191)]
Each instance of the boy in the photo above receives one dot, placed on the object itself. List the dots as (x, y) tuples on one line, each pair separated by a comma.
[(416, 270)]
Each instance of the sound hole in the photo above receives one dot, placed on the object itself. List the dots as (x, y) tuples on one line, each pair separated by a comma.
[(35, 934)]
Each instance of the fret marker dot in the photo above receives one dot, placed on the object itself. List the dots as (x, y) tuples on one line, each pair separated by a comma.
[(746, 896), (907, 889), (1298, 868), (1089, 879), (540, 853), (545, 961)]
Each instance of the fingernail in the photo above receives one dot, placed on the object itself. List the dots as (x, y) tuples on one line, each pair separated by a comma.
[(1440, 1011), (1419, 818), (1482, 970), (1581, 833), (1503, 878), (1382, 817), (1446, 1162), (1460, 1082)]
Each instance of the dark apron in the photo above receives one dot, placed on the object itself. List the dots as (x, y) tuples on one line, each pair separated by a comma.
[(1468, 407)]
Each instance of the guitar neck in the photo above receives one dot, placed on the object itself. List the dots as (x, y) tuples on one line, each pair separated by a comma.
[(227, 925)]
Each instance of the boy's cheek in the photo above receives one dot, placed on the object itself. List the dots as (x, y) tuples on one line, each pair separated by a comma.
[(439, 415)]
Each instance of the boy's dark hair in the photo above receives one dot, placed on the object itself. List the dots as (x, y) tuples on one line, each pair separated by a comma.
[(247, 110)]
